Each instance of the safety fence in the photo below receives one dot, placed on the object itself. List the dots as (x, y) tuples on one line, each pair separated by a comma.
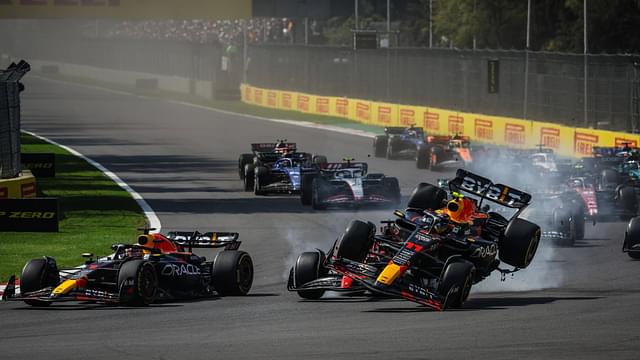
[(497, 130), (10, 88)]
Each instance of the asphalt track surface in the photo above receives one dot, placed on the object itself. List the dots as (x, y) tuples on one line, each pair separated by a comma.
[(580, 302)]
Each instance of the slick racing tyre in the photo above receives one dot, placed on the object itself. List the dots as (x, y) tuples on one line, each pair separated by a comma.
[(317, 194), (390, 149), (422, 157), (249, 177), (39, 274), (632, 237), (563, 222), (306, 189), (355, 242), (628, 200), (137, 283), (435, 156), (242, 161), (455, 283), (232, 273), (426, 197), (392, 190), (519, 243), (380, 146), (308, 267), (261, 174)]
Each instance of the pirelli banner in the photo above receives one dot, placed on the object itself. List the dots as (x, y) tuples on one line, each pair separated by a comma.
[(29, 215), (487, 129), (125, 9)]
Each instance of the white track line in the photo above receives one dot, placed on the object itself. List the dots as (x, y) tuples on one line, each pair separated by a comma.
[(151, 216)]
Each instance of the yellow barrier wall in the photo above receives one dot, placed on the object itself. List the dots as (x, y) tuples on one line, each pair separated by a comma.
[(21, 187), (488, 129)]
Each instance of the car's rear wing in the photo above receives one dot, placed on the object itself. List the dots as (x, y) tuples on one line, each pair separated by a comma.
[(194, 239), (469, 182), (270, 147), (337, 166)]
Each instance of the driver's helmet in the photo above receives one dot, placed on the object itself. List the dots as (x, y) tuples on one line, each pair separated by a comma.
[(460, 209), (135, 252), (285, 163)]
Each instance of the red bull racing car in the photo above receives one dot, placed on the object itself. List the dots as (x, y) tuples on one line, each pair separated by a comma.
[(157, 267)]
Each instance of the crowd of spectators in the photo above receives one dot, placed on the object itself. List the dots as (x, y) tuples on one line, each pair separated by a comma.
[(225, 32)]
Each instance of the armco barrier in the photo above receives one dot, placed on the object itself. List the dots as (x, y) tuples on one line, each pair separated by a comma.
[(482, 128)]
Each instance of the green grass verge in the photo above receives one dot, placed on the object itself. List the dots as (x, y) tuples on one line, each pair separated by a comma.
[(97, 213), (231, 105)]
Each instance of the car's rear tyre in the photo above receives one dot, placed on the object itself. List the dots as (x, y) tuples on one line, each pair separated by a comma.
[(434, 157), (380, 146), (232, 273), (308, 267), (137, 283), (426, 197), (455, 283), (392, 190), (519, 243), (627, 198), (390, 149), (39, 274), (249, 177), (317, 194), (242, 162), (422, 157), (306, 189), (261, 173), (564, 221), (355, 242), (632, 236)]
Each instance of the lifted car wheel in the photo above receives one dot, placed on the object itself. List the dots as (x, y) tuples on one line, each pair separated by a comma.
[(137, 283), (232, 273), (455, 283), (309, 267), (355, 242), (38, 274), (519, 243), (426, 197)]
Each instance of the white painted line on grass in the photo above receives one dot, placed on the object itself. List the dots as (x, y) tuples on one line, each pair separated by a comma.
[(151, 216)]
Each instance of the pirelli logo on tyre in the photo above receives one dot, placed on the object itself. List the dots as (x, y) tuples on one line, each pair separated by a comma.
[(286, 100), (363, 111), (550, 137), (272, 98), (431, 121), (322, 105), (258, 96), (384, 114), (583, 143), (514, 134), (303, 103), (456, 124), (407, 117), (621, 142), (483, 129), (342, 107)]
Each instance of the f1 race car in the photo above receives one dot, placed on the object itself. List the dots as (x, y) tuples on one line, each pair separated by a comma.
[(264, 153), (631, 244), (430, 254), (401, 142), (283, 176), (443, 152), (561, 216), (348, 184), (158, 267)]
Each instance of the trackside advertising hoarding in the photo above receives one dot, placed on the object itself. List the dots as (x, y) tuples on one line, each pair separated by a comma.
[(497, 130), (125, 9), (37, 215)]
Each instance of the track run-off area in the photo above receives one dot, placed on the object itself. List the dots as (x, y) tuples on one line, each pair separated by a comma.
[(581, 302)]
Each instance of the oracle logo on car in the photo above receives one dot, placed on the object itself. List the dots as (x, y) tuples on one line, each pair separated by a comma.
[(514, 134), (407, 117), (322, 105), (303, 103), (384, 114), (483, 129), (583, 143), (550, 137), (456, 125), (431, 121), (179, 270), (342, 107)]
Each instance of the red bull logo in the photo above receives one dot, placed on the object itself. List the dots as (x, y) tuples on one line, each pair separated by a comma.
[(363, 111), (342, 107), (483, 129), (303, 103), (550, 137), (407, 117), (456, 125), (583, 143), (514, 134), (322, 105), (272, 98), (384, 114), (286, 100), (431, 121)]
